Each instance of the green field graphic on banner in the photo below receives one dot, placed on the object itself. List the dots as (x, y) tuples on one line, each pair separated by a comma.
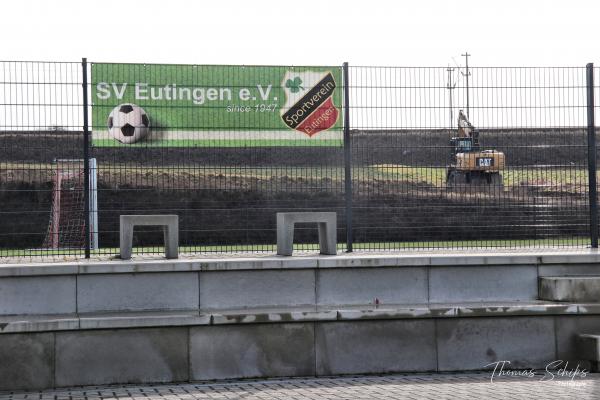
[(216, 106)]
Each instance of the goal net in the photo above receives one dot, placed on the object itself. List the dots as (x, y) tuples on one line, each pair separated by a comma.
[(66, 229)]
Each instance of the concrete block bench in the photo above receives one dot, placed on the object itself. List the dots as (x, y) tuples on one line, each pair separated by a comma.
[(327, 230), (576, 288), (588, 348), (170, 224)]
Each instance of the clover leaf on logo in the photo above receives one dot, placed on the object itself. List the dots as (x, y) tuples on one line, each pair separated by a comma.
[(294, 85)]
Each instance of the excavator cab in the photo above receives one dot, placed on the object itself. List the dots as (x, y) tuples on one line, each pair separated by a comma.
[(462, 144)]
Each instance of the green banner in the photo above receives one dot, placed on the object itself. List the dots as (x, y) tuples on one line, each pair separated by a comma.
[(217, 106)]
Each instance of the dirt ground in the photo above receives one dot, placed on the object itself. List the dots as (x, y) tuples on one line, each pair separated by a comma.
[(229, 196), (523, 147)]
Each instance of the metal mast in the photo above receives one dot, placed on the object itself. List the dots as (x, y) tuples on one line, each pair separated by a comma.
[(450, 86), (466, 75)]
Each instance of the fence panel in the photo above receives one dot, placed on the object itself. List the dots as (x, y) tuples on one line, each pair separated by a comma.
[(412, 190), (219, 153), (40, 150)]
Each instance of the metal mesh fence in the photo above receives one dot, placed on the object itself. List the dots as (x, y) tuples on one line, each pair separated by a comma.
[(40, 122), (407, 192), (220, 154), (225, 165)]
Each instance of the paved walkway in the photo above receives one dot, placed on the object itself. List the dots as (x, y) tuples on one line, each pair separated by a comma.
[(429, 386)]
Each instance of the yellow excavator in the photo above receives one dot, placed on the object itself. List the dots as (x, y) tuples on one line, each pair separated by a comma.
[(471, 165)]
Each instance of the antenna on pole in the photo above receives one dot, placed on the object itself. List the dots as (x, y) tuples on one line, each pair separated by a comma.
[(450, 86), (466, 75)]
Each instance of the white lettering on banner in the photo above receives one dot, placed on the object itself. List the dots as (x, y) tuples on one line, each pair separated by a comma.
[(119, 93), (171, 92), (198, 95), (264, 94), (244, 94), (103, 90), (139, 89)]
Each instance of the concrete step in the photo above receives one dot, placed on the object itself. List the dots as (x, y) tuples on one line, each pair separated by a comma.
[(302, 314), (98, 349), (588, 348), (570, 288)]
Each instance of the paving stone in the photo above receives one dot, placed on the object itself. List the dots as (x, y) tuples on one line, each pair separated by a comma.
[(475, 386)]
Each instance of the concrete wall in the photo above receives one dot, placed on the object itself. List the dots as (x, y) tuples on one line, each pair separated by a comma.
[(137, 292), (38, 295), (278, 282), (173, 354), (208, 291), (160, 321)]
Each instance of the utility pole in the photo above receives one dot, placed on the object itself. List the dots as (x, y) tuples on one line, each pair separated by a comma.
[(466, 75), (450, 86)]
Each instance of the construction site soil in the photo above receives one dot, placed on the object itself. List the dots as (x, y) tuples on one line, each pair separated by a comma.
[(523, 147), (234, 208)]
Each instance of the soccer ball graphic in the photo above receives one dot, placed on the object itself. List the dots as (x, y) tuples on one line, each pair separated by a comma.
[(128, 123)]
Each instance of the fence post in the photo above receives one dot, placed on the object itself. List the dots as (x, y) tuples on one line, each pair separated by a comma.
[(591, 136), (347, 161), (86, 160)]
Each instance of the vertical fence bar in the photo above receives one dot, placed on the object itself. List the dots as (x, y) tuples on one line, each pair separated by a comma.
[(86, 160), (591, 137), (347, 161)]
